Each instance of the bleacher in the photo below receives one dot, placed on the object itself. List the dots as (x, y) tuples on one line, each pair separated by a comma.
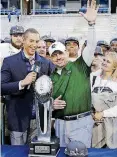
[(63, 25), (100, 10), (48, 11), (12, 12), (37, 11)]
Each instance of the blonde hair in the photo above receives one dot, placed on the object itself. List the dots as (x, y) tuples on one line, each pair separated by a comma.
[(113, 55)]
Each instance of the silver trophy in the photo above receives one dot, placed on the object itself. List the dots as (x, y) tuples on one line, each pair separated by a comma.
[(43, 145)]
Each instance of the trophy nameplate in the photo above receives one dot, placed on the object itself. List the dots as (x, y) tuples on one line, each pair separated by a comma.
[(41, 149), (43, 145)]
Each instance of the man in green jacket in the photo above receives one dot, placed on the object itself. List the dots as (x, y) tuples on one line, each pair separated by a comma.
[(71, 88)]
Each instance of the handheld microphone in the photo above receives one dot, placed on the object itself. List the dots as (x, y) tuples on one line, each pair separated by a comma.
[(35, 68)]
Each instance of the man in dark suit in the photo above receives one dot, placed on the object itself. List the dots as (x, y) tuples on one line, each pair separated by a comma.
[(16, 77)]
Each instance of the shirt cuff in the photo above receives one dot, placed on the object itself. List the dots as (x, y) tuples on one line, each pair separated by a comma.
[(20, 87), (108, 113), (91, 27)]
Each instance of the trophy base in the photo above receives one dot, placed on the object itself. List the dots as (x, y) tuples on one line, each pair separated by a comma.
[(44, 149)]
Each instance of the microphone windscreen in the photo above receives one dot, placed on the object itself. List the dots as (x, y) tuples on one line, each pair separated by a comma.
[(37, 63), (32, 67), (36, 67)]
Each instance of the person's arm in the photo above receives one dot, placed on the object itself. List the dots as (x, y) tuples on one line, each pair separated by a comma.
[(88, 52), (90, 17), (111, 112), (8, 86)]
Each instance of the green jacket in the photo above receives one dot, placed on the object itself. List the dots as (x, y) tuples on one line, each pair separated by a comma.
[(74, 86)]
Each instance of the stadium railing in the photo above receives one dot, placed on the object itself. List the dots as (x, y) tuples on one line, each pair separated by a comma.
[(6, 12)]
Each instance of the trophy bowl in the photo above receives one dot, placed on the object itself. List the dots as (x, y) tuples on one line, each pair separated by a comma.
[(43, 89)]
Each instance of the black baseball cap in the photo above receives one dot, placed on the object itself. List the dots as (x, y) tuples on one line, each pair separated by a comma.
[(113, 40), (104, 43), (72, 39), (48, 38), (98, 51), (16, 30)]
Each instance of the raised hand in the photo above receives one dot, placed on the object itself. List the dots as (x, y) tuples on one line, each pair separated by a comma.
[(91, 13)]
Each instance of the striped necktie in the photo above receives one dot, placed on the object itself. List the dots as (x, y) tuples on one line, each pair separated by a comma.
[(31, 60)]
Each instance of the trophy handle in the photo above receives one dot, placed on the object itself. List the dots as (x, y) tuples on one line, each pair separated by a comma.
[(46, 135)]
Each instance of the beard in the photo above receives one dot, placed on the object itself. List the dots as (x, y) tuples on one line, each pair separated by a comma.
[(16, 46), (115, 49)]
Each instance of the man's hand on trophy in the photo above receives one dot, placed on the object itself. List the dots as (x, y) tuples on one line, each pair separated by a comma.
[(31, 77), (58, 103), (91, 13)]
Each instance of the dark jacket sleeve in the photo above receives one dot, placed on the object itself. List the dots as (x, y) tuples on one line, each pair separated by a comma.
[(51, 68), (7, 86)]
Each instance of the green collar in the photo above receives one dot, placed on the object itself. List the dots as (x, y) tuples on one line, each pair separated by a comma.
[(67, 67)]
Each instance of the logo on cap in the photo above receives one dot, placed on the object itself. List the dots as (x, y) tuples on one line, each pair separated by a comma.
[(54, 45)]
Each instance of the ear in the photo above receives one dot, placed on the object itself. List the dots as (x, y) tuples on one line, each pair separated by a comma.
[(114, 68), (67, 53), (23, 37), (79, 48)]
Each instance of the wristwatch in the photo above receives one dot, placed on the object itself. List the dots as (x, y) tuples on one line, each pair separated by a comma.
[(91, 23)]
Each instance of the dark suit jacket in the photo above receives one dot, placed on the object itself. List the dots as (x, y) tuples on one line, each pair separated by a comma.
[(19, 106)]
